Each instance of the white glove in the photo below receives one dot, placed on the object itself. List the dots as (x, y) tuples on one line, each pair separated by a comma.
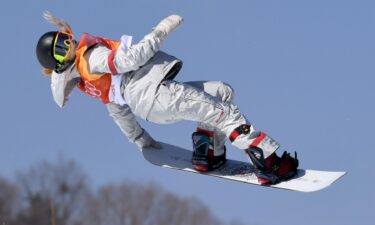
[(167, 25), (145, 140)]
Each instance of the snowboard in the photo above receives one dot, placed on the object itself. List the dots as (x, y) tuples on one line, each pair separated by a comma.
[(174, 157)]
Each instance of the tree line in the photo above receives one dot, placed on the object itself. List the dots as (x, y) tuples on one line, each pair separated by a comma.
[(59, 194)]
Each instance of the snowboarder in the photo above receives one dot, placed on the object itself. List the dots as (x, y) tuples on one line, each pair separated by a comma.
[(139, 80)]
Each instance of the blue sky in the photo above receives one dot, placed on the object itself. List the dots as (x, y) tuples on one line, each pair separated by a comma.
[(303, 72)]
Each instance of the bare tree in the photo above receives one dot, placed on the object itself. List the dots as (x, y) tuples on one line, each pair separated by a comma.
[(135, 204), (8, 201), (52, 194), (58, 194)]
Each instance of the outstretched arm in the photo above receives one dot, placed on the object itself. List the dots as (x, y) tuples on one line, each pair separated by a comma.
[(125, 119), (128, 59)]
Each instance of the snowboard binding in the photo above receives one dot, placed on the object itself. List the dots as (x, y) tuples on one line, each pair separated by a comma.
[(203, 159), (273, 169)]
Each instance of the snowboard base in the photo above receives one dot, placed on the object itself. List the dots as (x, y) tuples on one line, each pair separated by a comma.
[(174, 157)]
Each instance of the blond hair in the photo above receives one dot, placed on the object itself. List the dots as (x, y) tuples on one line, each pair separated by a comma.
[(64, 27)]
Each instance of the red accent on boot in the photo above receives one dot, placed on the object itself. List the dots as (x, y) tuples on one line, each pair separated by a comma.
[(200, 167), (263, 181), (206, 132)]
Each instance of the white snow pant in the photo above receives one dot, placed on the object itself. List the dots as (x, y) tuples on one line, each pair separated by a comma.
[(211, 105)]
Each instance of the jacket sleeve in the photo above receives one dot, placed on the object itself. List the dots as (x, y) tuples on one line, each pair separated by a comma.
[(137, 55), (125, 59), (63, 84), (125, 119)]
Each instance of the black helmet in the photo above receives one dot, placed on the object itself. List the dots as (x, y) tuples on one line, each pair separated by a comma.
[(52, 48)]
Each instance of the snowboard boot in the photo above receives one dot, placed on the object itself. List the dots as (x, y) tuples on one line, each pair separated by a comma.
[(273, 169), (203, 159)]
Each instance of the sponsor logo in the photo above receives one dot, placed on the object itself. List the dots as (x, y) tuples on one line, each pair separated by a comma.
[(90, 89)]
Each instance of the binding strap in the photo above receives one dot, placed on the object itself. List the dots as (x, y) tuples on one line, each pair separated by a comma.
[(243, 129), (259, 139)]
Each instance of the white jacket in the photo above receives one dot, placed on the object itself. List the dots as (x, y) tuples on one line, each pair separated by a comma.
[(143, 67)]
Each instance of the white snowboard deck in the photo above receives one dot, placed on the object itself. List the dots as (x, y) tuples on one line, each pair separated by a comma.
[(178, 158)]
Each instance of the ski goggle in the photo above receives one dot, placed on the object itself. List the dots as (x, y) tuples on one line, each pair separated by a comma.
[(61, 46)]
